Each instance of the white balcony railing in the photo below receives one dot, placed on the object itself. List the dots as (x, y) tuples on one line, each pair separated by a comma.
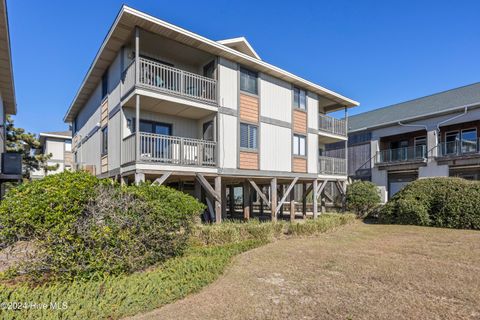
[(332, 125), (160, 77), (170, 150), (332, 166)]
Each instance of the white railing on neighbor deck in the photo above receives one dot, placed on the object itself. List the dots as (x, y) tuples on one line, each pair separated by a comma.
[(332, 125), (332, 166), (171, 150)]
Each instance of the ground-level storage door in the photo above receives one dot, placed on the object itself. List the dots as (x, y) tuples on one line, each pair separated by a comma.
[(396, 181)]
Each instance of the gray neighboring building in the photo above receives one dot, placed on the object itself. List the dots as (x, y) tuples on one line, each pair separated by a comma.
[(432, 136)]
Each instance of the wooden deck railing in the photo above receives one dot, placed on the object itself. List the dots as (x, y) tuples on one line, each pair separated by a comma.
[(332, 166), (160, 77), (171, 150), (332, 125)]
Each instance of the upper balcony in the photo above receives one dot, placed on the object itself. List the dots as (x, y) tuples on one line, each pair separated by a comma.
[(332, 129), (162, 78)]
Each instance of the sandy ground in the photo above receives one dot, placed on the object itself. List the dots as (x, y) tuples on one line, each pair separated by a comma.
[(358, 272)]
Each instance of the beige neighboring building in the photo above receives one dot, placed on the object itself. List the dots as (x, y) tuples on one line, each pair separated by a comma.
[(211, 118), (59, 144)]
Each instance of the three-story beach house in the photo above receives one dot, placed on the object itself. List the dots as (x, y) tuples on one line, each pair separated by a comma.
[(163, 104)]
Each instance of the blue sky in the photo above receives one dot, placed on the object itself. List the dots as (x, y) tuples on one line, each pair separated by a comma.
[(376, 52)]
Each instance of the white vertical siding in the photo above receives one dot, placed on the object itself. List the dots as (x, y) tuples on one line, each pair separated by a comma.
[(312, 153), (228, 84), (56, 147), (181, 127), (228, 141), (114, 76), (275, 98), (275, 148), (114, 141), (312, 105)]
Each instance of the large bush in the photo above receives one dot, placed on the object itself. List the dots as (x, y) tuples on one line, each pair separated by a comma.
[(362, 197), (84, 227), (439, 202)]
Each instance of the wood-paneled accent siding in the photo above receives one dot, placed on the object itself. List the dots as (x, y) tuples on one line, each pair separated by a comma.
[(248, 108), (248, 160), (104, 114), (299, 165), (299, 121), (67, 158), (104, 164)]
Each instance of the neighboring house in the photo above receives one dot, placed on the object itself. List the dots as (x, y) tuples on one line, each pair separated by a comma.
[(59, 145), (161, 103), (433, 136), (10, 164)]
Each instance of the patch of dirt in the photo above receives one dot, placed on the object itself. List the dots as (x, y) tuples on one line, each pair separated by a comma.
[(358, 272), (20, 251)]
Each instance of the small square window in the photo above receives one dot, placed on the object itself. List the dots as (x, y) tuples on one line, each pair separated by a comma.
[(248, 136)]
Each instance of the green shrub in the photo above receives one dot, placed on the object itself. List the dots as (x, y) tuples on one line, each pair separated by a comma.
[(110, 230), (49, 205), (440, 202), (362, 197)]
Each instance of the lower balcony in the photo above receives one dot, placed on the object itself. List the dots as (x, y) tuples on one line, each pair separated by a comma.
[(171, 150), (402, 155), (332, 166)]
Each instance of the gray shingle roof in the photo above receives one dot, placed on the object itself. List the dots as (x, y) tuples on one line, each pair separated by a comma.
[(435, 103)]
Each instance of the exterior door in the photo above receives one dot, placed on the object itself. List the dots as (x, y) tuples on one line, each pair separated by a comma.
[(396, 181)]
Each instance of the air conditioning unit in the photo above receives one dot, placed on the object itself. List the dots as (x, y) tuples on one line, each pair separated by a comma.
[(11, 163)]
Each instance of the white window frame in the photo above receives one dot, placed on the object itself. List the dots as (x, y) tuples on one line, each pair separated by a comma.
[(297, 146)]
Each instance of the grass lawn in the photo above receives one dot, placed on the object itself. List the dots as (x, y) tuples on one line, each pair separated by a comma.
[(360, 271), (211, 251)]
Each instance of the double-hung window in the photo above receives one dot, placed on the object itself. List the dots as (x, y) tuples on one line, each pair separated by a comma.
[(248, 81), (299, 145), (104, 140), (248, 136), (299, 98)]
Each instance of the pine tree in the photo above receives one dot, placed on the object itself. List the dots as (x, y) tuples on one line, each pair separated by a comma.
[(26, 143)]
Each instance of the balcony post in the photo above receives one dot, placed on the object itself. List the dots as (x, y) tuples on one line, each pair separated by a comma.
[(137, 55), (346, 141), (137, 127)]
